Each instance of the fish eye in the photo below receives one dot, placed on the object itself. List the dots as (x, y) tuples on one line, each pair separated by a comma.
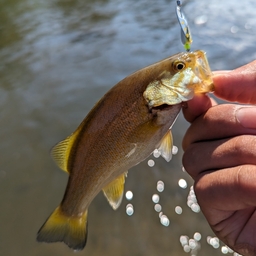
[(179, 65)]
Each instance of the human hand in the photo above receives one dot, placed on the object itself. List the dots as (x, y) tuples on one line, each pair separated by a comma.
[(220, 155)]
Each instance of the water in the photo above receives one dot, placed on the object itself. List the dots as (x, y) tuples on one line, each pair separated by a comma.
[(57, 59)]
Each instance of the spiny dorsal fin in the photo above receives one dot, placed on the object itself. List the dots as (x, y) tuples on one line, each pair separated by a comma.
[(114, 191), (166, 145), (60, 152)]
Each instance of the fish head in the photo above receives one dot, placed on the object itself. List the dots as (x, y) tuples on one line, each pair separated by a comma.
[(184, 75)]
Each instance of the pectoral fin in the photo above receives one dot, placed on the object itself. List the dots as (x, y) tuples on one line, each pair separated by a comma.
[(166, 145), (114, 191)]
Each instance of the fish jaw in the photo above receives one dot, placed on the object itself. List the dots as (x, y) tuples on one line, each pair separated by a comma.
[(172, 88), (203, 72)]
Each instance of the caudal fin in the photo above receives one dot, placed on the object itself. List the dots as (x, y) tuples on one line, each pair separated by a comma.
[(71, 230)]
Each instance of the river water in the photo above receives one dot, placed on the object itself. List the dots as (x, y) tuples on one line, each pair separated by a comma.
[(58, 58)]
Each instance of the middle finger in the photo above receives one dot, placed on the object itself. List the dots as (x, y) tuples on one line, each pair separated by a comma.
[(219, 154), (218, 122)]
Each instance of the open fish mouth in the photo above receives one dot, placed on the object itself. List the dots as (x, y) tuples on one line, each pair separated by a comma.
[(202, 70), (162, 107), (188, 75)]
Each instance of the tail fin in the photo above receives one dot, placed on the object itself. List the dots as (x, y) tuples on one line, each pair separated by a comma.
[(72, 230)]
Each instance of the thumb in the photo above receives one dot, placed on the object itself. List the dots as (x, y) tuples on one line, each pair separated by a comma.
[(197, 106), (238, 85)]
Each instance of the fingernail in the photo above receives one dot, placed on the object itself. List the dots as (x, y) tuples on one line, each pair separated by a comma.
[(246, 116)]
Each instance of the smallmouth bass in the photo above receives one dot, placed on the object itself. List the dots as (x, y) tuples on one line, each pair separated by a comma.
[(124, 127)]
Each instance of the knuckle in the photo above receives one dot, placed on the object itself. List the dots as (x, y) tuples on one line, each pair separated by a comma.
[(243, 146)]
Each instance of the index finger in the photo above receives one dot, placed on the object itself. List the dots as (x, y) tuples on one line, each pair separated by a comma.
[(238, 85)]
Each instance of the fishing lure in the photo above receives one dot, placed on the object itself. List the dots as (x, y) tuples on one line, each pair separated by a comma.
[(186, 37)]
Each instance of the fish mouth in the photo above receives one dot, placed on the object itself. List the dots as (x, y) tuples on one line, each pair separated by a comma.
[(162, 107), (173, 88), (202, 70)]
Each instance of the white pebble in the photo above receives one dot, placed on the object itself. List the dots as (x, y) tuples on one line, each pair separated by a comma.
[(208, 239), (192, 197), (160, 186), (197, 236), (189, 203), (192, 243), (195, 208), (230, 250), (192, 192), (158, 207), (183, 169), (214, 242), (151, 163), (186, 248), (224, 249), (129, 209), (175, 150), (164, 220), (178, 210), (182, 183), (156, 153), (129, 195), (184, 240), (155, 198)]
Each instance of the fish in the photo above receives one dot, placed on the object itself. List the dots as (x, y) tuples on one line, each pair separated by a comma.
[(127, 124)]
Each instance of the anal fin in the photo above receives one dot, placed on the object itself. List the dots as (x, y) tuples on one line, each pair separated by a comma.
[(114, 191)]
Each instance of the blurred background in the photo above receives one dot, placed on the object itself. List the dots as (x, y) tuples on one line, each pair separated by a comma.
[(57, 59)]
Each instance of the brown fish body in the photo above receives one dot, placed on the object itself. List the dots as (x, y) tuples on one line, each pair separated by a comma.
[(119, 123), (123, 129)]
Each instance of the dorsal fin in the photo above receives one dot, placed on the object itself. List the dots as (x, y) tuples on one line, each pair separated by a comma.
[(61, 151), (166, 145), (114, 191)]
